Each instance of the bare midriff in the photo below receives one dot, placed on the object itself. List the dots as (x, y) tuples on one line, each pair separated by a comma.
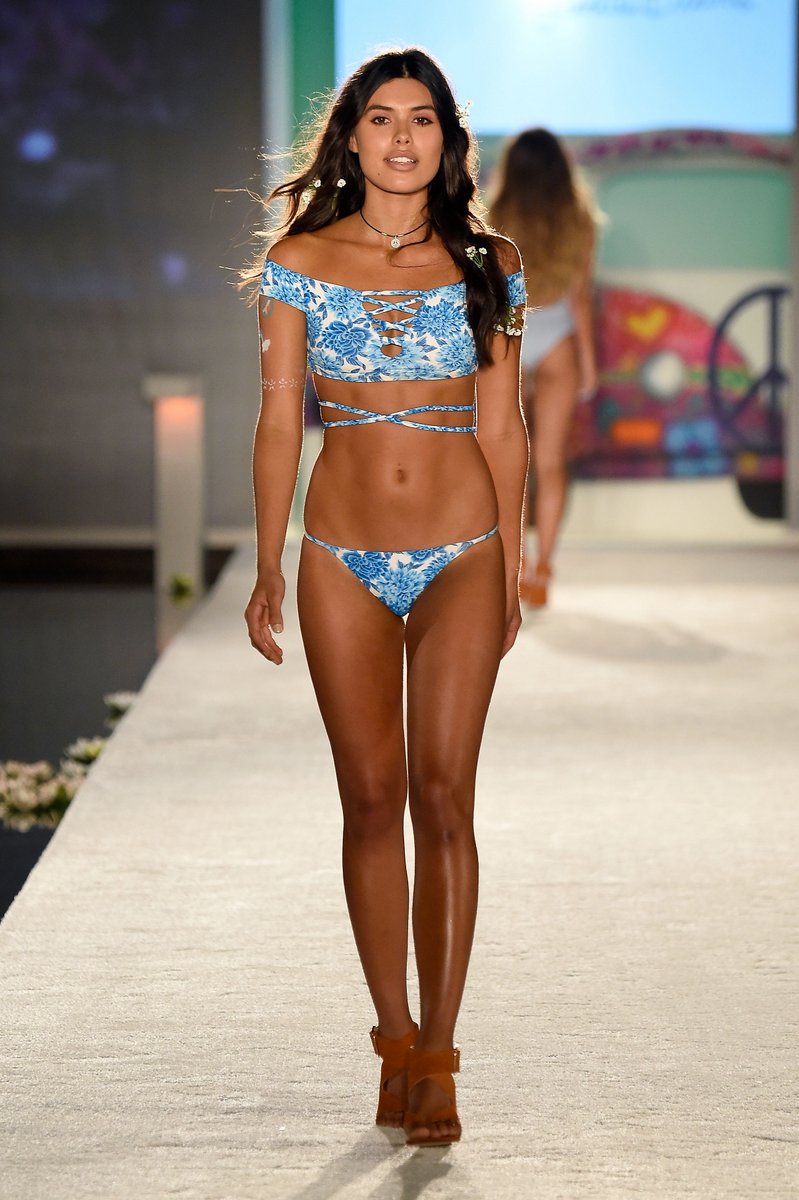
[(381, 486)]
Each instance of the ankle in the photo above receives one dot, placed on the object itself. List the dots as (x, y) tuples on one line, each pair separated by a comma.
[(435, 1039), (394, 1029)]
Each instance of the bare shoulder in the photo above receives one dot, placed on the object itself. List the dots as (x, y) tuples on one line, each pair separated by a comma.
[(309, 253), (296, 252), (509, 258)]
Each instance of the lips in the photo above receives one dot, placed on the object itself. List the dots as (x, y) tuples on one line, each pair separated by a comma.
[(402, 162)]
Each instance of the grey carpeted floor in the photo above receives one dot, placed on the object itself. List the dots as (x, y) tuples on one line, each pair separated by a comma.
[(182, 1008)]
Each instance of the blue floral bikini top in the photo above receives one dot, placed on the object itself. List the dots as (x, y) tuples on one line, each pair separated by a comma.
[(380, 336)]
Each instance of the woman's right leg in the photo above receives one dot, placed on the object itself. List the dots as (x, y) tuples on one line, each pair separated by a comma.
[(355, 646), (554, 396)]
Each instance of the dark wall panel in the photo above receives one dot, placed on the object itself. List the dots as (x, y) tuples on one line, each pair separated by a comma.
[(119, 122)]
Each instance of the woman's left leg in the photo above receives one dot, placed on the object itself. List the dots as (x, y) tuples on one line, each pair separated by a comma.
[(454, 638), (554, 399)]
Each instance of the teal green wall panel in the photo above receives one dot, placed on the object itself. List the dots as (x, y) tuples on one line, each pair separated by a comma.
[(313, 54), (708, 217)]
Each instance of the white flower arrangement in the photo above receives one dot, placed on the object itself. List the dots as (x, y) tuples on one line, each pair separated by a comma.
[(85, 750), (118, 704), (36, 794)]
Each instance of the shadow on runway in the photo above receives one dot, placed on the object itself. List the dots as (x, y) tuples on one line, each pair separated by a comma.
[(422, 1168), (342, 1172), (585, 635), (374, 1149)]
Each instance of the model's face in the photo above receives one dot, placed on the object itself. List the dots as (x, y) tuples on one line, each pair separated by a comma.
[(398, 139)]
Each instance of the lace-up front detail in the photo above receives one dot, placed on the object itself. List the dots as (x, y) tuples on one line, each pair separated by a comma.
[(390, 314)]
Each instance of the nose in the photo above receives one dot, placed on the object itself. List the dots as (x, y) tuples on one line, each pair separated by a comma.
[(402, 134)]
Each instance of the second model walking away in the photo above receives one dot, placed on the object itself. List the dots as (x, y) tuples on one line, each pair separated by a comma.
[(386, 280), (543, 204)]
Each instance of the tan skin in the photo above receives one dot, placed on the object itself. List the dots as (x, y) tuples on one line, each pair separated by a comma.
[(387, 487), (550, 393)]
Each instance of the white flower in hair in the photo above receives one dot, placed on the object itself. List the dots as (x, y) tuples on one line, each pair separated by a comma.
[(476, 253)]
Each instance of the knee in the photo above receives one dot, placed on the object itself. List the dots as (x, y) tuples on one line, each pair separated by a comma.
[(550, 467), (442, 811), (372, 808)]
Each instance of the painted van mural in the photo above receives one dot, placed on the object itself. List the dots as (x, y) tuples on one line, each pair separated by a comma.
[(692, 312)]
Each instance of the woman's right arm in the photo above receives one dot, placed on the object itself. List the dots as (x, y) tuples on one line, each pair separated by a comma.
[(276, 460)]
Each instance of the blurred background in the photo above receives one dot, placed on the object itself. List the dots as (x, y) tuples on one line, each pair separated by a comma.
[(131, 138)]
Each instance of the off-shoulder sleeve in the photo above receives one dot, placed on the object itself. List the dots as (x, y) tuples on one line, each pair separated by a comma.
[(280, 283), (516, 289)]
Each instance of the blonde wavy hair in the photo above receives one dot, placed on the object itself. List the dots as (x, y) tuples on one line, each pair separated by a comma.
[(541, 203)]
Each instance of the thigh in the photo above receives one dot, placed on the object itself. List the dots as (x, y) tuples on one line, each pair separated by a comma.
[(553, 399), (354, 647), (454, 640)]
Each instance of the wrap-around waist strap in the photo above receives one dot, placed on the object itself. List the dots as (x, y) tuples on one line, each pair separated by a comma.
[(362, 416)]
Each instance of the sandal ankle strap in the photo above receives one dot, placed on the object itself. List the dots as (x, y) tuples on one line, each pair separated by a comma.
[(423, 1064), (392, 1047)]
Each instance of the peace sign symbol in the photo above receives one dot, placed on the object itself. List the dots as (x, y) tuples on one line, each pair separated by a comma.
[(765, 391)]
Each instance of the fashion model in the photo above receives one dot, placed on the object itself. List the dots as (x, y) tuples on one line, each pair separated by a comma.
[(543, 205), (386, 281)]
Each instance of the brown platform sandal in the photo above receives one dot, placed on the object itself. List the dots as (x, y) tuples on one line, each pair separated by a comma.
[(533, 589), (438, 1065), (394, 1054)]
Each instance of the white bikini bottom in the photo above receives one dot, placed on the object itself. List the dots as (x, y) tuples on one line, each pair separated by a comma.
[(545, 327)]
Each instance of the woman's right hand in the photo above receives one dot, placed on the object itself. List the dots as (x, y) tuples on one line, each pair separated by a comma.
[(264, 617)]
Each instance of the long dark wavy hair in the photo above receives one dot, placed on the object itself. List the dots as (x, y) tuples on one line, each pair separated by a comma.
[(452, 209)]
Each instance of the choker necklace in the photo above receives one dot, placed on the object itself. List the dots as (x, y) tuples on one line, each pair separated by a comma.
[(395, 237)]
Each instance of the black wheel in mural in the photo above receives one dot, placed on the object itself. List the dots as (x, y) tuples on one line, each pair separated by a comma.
[(753, 421)]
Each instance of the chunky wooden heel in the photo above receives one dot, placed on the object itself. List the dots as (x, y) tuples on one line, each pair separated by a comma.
[(439, 1066), (394, 1054)]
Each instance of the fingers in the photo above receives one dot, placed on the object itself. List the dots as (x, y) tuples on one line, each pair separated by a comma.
[(261, 629), (510, 638), (589, 385), (275, 614), (512, 629)]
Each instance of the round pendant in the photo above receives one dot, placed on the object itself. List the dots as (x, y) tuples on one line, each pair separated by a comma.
[(395, 242)]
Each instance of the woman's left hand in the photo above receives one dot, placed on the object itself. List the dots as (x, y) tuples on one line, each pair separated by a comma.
[(513, 618), (589, 383)]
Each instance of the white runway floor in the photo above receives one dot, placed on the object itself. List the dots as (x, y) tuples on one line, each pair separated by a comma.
[(181, 1004)]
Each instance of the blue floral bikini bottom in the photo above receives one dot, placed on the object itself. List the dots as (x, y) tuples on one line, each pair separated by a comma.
[(398, 577)]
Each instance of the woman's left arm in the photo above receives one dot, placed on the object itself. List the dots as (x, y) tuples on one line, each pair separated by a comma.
[(582, 306), (502, 435)]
